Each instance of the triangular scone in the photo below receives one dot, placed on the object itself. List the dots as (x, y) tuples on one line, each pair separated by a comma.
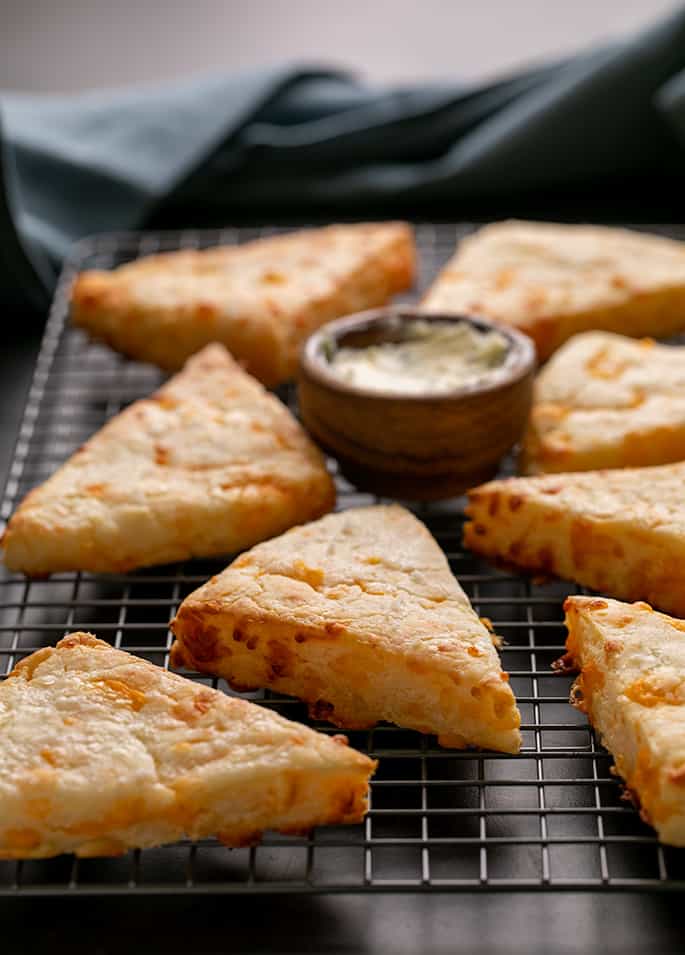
[(552, 281), (260, 300), (102, 752), (208, 465), (620, 532), (632, 686), (359, 615), (606, 401)]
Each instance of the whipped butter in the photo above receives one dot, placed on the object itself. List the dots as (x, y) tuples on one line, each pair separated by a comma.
[(432, 358)]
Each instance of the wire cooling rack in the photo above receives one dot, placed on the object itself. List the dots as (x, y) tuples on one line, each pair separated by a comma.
[(440, 820)]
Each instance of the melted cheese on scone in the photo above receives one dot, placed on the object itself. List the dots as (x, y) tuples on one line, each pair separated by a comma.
[(102, 751), (359, 615), (208, 465), (620, 532), (632, 686), (606, 401), (261, 299), (553, 281)]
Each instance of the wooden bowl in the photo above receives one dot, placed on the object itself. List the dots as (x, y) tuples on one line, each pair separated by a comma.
[(418, 447)]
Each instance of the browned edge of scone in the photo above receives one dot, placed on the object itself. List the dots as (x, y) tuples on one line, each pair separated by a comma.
[(201, 646), (515, 523), (344, 795), (37, 547), (586, 682), (102, 306), (197, 647)]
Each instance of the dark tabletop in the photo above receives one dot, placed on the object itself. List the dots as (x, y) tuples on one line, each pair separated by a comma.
[(528, 923), (420, 925), (397, 924)]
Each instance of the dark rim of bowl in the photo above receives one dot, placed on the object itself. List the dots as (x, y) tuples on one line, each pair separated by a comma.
[(519, 363)]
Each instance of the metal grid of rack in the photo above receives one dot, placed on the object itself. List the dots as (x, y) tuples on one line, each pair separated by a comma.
[(550, 818)]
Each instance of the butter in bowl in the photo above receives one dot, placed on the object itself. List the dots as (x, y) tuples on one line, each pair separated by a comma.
[(415, 404)]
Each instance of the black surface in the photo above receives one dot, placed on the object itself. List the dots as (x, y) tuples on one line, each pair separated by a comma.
[(416, 925), (397, 925), (17, 357), (550, 818), (618, 200), (440, 923)]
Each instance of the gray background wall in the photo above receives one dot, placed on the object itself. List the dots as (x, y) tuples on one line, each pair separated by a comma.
[(76, 44)]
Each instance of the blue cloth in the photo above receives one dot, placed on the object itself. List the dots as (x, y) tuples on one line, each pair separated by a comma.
[(314, 140)]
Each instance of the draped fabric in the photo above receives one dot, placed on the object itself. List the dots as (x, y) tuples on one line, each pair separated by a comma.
[(315, 140)]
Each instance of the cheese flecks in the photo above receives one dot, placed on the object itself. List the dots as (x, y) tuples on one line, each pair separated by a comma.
[(260, 299), (552, 281), (209, 464), (620, 532), (102, 751), (632, 687), (358, 614), (607, 401)]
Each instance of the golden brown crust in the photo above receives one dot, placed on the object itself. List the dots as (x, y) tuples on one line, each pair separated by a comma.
[(359, 615), (102, 752), (632, 686), (260, 300), (620, 532), (208, 465), (553, 281), (606, 401)]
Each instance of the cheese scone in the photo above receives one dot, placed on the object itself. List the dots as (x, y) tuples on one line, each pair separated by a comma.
[(261, 299), (210, 464), (552, 281), (102, 752), (359, 615), (620, 532), (606, 401), (632, 687)]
